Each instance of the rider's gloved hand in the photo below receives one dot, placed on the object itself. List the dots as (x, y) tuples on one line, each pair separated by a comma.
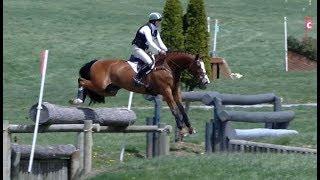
[(162, 52)]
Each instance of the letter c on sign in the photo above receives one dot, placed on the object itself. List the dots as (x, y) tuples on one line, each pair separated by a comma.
[(309, 25)]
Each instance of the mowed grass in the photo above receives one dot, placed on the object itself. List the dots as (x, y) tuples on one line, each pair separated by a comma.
[(250, 39), (217, 166)]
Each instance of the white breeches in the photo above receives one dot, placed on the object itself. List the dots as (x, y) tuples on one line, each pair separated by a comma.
[(141, 54)]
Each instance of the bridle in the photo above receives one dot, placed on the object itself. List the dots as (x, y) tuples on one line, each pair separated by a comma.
[(196, 60)]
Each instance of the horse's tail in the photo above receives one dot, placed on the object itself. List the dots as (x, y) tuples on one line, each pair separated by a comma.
[(84, 72)]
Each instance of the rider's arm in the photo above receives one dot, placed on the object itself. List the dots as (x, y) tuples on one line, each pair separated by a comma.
[(160, 43), (152, 46)]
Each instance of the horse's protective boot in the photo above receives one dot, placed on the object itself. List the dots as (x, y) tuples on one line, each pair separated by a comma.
[(80, 97), (140, 75)]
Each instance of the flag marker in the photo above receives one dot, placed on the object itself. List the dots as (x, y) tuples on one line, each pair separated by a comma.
[(43, 69)]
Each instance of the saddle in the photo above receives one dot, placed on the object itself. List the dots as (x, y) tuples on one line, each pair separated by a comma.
[(136, 64)]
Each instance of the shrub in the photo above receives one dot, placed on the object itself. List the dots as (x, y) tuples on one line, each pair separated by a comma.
[(196, 37), (172, 32), (307, 47)]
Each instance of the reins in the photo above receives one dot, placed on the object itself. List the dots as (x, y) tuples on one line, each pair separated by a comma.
[(179, 67)]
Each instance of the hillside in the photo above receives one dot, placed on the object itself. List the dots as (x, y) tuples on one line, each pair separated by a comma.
[(297, 62)]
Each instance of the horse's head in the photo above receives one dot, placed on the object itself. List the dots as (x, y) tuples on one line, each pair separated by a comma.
[(198, 70), (179, 61)]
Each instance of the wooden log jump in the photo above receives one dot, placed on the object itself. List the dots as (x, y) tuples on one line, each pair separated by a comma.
[(219, 131), (256, 117), (248, 134), (50, 162), (56, 114), (14, 128), (228, 99), (81, 162), (48, 152)]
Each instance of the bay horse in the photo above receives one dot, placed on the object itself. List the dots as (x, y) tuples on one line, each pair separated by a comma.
[(100, 78)]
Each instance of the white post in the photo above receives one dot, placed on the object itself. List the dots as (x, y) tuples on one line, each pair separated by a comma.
[(43, 76), (124, 136), (216, 29), (285, 43), (130, 100), (208, 22)]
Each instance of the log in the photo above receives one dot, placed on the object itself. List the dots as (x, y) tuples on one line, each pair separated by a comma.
[(14, 128), (87, 149), (55, 114), (246, 134), (6, 136), (208, 137), (44, 152), (134, 129), (149, 138), (256, 117), (237, 99), (164, 141), (197, 95)]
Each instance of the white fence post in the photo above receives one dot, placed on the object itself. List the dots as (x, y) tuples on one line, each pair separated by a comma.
[(285, 43)]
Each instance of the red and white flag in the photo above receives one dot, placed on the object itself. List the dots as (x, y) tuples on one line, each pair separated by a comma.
[(308, 23), (42, 58)]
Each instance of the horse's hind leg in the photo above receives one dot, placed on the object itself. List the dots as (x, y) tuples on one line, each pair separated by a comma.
[(81, 95), (110, 90)]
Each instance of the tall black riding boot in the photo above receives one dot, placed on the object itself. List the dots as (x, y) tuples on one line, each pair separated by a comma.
[(140, 75)]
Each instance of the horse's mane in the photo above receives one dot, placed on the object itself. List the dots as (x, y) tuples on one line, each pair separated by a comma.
[(180, 52), (160, 59)]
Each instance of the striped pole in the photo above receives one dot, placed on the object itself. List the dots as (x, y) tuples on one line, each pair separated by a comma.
[(43, 69)]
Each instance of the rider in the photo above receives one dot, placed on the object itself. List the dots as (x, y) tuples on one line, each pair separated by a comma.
[(148, 40)]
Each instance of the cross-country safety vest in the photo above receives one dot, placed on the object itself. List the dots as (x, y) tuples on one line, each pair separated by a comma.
[(140, 40)]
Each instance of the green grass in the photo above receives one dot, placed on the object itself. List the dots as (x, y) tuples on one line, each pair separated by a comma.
[(250, 39), (217, 166)]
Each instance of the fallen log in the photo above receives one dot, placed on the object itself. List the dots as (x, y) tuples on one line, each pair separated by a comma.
[(56, 114)]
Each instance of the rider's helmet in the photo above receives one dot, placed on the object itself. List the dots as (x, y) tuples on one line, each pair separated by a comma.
[(155, 16)]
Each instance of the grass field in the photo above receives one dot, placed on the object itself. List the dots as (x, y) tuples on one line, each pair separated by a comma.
[(251, 39)]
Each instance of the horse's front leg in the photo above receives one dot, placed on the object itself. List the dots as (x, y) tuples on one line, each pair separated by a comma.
[(185, 118), (167, 96)]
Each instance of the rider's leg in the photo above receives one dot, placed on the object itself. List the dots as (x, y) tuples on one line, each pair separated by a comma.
[(141, 54)]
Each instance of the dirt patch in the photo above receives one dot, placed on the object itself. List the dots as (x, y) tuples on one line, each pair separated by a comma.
[(184, 148), (297, 62)]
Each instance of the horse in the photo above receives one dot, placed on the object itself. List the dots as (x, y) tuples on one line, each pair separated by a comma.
[(104, 77)]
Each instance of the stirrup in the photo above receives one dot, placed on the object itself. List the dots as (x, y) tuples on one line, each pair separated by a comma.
[(138, 82)]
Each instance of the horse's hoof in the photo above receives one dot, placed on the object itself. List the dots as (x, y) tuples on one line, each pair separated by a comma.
[(192, 131), (76, 101)]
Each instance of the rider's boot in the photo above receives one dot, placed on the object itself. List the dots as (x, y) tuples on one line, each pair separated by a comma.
[(140, 75)]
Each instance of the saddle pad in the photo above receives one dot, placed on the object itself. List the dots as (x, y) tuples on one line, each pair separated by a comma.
[(136, 63), (134, 66)]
